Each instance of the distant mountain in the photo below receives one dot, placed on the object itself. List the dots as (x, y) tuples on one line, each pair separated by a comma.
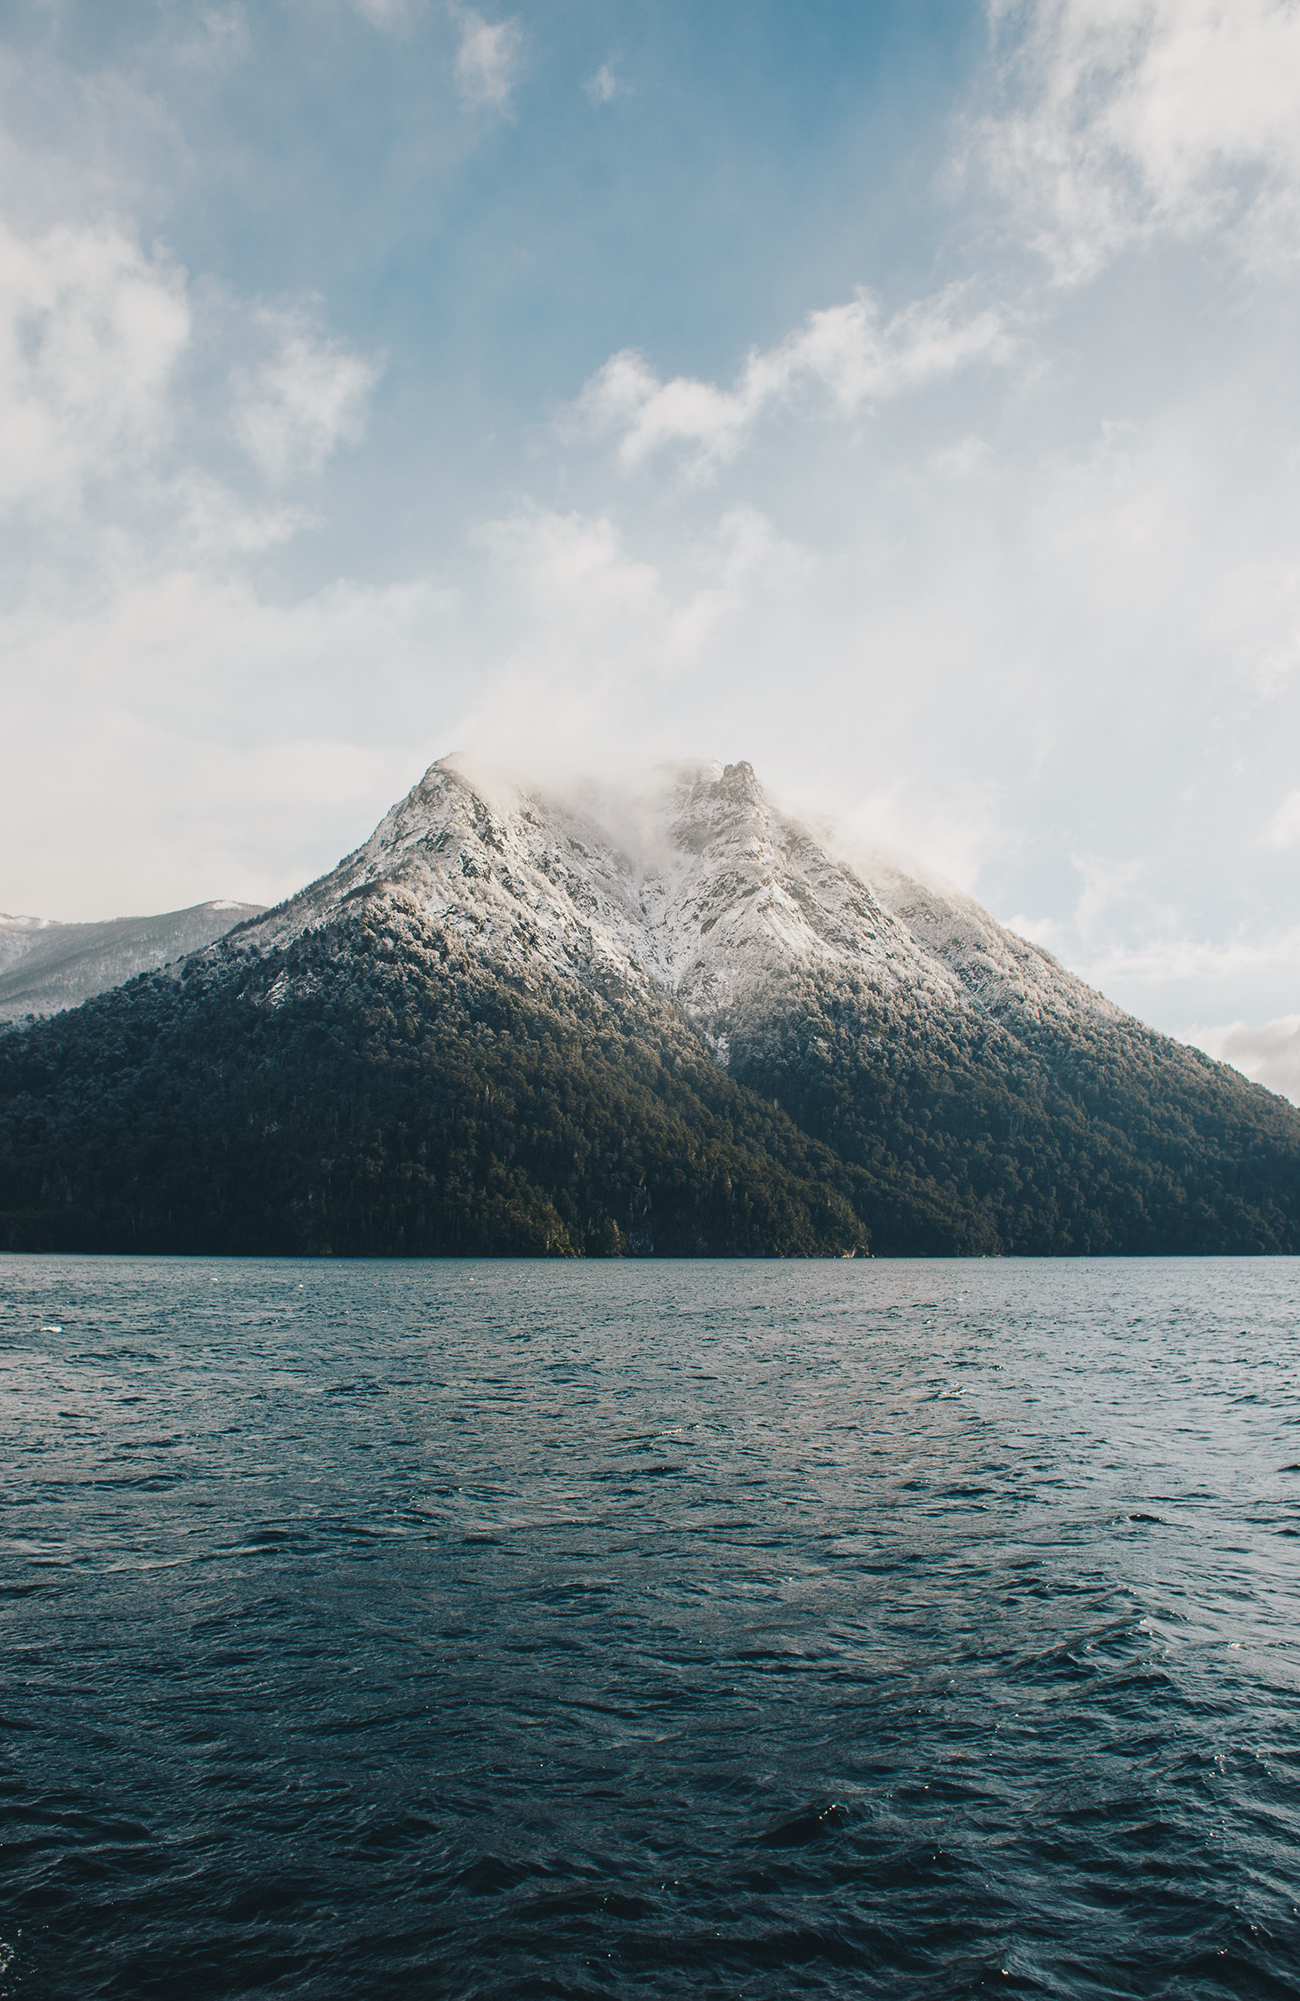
[(46, 966), (674, 1023)]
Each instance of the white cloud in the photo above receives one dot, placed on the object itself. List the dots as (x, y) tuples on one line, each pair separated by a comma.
[(92, 330), (1134, 117), (593, 646), (181, 737), (1108, 886), (604, 86), (1169, 960), (487, 58), (1268, 1054), (294, 410), (96, 338), (149, 686), (857, 358), (218, 37), (1283, 829), (383, 13), (586, 601)]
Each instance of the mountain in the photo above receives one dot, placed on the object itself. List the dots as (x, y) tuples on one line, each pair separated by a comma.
[(46, 966), (673, 1022)]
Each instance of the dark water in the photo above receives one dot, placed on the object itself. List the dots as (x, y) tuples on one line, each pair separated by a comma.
[(651, 1630)]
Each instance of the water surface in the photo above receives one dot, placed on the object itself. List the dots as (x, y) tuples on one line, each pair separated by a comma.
[(664, 1630)]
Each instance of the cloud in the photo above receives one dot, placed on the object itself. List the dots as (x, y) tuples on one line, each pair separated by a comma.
[(604, 86), (92, 330), (294, 410), (592, 645), (98, 341), (1268, 1054), (219, 36), (1108, 887), (487, 58), (849, 352), (1167, 960), (383, 13), (1132, 118), (585, 600), (1283, 829), (201, 740), (149, 682)]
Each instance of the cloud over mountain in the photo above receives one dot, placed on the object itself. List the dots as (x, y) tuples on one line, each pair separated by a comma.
[(915, 414)]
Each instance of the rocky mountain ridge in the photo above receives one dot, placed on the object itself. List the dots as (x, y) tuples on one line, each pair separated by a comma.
[(46, 966), (697, 884), (668, 1022)]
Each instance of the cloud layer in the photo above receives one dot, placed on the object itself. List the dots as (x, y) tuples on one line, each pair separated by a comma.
[(984, 546), (158, 723)]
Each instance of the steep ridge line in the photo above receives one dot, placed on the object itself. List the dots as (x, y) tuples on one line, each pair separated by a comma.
[(46, 965), (697, 883), (671, 1021)]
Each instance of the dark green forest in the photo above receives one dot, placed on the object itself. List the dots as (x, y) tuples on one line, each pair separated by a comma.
[(372, 1091), (1113, 1139), (376, 1090)]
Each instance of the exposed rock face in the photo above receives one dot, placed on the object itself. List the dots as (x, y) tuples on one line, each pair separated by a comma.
[(698, 885), (673, 1021), (46, 966)]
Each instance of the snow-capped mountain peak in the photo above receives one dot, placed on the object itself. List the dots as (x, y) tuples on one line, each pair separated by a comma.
[(695, 882)]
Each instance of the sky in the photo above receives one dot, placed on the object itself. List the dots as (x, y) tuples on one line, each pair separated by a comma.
[(900, 394)]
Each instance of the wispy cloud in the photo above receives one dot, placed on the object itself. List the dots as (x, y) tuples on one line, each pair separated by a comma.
[(487, 58), (600, 637), (850, 352), (1164, 960), (95, 336), (92, 330), (1283, 828), (605, 85), (1127, 118), (295, 409), (137, 642)]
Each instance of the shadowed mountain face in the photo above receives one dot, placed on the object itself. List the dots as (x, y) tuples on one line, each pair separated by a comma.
[(671, 1023), (46, 967)]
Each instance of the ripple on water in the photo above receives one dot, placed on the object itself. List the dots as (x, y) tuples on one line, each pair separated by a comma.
[(507, 1630)]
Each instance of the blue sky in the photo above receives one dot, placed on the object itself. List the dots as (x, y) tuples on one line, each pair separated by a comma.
[(898, 394)]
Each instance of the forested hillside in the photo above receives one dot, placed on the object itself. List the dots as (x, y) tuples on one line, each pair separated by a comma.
[(981, 1140), (372, 1091), (373, 1087)]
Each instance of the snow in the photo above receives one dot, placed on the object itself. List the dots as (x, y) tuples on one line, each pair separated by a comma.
[(46, 966), (695, 884), (17, 937)]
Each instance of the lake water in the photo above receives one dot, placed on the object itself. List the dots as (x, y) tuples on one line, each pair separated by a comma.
[(672, 1630)]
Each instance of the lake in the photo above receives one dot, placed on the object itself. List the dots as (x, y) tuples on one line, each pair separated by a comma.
[(650, 1629)]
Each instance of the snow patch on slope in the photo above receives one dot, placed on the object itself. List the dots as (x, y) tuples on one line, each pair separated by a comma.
[(1005, 975), (46, 966), (695, 883)]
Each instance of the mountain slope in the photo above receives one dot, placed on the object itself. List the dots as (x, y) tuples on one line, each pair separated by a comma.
[(46, 966), (370, 1087), (669, 1023)]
